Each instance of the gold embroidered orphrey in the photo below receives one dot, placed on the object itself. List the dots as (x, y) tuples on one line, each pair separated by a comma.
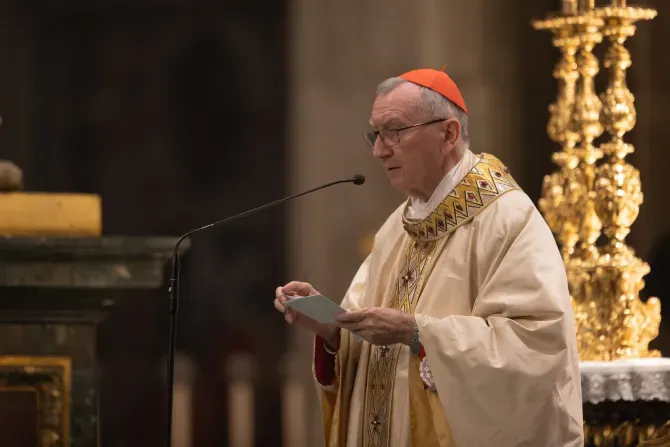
[(485, 182)]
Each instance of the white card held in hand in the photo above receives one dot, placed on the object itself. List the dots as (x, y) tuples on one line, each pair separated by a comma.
[(317, 307)]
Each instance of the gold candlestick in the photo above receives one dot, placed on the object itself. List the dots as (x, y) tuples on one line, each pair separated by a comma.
[(582, 198), (558, 193), (628, 324), (587, 5), (618, 182), (586, 123), (569, 7)]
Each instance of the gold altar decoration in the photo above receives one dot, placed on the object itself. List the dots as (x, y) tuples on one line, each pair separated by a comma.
[(35, 214), (626, 433), (596, 193)]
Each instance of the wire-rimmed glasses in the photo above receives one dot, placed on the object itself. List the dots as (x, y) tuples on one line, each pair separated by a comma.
[(391, 137)]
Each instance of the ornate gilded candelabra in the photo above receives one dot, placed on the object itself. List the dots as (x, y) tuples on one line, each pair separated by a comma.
[(560, 190), (619, 196), (589, 195)]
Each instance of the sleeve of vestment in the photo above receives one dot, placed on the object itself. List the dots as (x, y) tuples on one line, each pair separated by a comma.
[(324, 362), (496, 370)]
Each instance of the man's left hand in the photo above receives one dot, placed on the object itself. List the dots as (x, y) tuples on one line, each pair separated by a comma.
[(379, 325)]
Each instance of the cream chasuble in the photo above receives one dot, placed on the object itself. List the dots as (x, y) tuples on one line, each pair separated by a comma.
[(486, 282)]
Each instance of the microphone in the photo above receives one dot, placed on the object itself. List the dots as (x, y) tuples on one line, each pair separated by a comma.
[(173, 288)]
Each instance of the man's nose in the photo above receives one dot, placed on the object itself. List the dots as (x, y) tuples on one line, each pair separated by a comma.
[(381, 150)]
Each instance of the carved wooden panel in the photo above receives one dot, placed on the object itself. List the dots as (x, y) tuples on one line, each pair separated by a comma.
[(19, 418), (35, 401)]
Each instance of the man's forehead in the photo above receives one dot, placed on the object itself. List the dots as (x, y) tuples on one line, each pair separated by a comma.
[(399, 105), (392, 114)]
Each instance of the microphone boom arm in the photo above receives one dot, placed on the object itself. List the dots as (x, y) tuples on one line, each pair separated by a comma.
[(173, 288)]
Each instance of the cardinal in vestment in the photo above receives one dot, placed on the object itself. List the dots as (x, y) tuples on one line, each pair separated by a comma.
[(458, 328)]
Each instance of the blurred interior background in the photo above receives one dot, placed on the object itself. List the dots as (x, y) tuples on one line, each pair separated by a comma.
[(182, 112)]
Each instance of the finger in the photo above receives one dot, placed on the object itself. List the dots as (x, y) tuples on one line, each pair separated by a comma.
[(289, 317), (297, 288), (281, 300), (279, 294)]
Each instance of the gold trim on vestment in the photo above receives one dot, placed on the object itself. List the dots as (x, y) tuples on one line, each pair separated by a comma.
[(485, 182), (384, 359)]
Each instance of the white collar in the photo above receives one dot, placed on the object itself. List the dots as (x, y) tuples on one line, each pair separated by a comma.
[(419, 209)]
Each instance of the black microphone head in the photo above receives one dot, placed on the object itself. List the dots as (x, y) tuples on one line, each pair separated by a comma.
[(359, 179)]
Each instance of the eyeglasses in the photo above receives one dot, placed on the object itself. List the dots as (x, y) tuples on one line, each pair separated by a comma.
[(391, 137)]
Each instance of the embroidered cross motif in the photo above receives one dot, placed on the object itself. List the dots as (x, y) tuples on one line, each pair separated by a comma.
[(383, 351), (407, 278)]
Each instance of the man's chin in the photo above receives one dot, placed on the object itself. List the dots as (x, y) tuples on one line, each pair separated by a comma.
[(397, 184)]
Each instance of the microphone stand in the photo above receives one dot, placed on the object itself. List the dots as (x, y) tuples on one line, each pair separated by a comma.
[(173, 288)]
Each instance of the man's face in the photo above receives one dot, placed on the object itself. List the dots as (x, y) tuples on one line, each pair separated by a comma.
[(414, 164)]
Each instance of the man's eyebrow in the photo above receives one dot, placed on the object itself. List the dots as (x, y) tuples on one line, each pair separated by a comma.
[(394, 121)]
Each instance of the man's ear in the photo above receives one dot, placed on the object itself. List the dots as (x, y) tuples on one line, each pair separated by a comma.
[(452, 132)]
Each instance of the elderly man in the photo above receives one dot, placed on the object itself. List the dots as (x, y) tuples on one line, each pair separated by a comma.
[(458, 330)]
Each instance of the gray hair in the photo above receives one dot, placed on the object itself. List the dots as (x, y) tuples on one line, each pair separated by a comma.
[(433, 104)]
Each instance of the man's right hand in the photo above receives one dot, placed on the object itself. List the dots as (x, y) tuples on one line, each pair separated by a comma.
[(329, 332)]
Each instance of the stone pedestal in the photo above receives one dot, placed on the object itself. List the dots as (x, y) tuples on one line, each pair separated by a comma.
[(53, 294)]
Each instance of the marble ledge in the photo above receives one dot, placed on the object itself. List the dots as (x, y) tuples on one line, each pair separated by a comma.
[(104, 246), (86, 262)]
